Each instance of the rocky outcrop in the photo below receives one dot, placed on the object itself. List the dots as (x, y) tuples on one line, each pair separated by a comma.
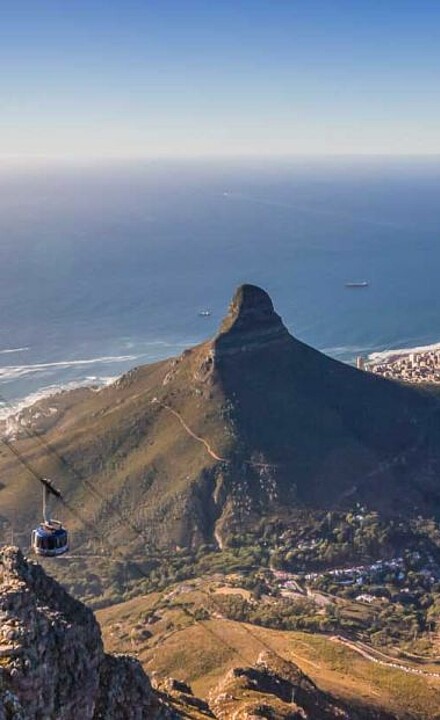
[(180, 697), (52, 662), (278, 690), (251, 323)]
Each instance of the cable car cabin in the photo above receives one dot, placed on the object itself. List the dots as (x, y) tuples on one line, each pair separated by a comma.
[(50, 539)]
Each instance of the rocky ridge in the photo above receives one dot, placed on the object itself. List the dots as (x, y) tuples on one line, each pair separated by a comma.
[(276, 689)]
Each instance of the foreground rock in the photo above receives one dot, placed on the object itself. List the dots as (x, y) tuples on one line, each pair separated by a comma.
[(52, 663)]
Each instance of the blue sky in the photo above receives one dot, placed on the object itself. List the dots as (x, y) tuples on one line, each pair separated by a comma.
[(142, 78)]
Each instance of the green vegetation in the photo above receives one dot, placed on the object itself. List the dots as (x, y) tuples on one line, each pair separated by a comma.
[(402, 597)]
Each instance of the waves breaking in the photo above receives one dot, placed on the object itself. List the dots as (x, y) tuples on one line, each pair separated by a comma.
[(12, 372), (384, 355)]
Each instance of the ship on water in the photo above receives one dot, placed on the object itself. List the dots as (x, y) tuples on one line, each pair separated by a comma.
[(361, 284)]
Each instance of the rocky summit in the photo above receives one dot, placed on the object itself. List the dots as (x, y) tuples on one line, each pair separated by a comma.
[(248, 426), (251, 323)]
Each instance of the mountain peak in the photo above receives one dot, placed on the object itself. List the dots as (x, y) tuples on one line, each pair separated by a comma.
[(251, 321), (249, 297)]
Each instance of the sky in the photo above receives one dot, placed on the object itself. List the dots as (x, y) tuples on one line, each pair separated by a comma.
[(178, 78)]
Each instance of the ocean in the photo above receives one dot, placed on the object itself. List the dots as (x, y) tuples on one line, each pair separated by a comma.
[(106, 266)]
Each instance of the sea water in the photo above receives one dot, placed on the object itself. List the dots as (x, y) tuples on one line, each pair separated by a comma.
[(107, 266)]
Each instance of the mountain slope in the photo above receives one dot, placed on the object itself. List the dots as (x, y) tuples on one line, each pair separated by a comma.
[(219, 659), (276, 689), (250, 424)]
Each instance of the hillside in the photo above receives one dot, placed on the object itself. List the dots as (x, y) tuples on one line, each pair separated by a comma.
[(250, 424), (182, 632)]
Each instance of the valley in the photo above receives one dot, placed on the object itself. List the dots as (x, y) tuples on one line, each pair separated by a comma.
[(198, 646)]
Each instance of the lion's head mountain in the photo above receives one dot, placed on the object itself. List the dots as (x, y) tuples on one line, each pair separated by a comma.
[(250, 425)]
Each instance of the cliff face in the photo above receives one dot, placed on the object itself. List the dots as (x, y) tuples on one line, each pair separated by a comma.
[(52, 663)]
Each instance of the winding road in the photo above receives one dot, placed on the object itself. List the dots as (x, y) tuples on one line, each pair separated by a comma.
[(371, 655)]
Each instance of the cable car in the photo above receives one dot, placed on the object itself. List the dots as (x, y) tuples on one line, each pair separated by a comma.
[(50, 538)]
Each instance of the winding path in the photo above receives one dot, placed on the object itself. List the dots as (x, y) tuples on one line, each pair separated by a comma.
[(190, 432), (367, 653), (200, 439)]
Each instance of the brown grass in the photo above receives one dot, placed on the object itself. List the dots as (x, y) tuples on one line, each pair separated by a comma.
[(201, 653)]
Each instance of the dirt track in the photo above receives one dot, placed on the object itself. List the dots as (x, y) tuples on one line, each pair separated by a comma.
[(380, 658)]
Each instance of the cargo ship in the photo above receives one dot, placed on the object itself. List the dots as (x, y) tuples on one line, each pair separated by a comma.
[(362, 284)]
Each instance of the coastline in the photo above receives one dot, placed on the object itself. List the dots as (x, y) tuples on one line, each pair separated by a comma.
[(415, 366), (11, 412), (26, 384), (389, 356)]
